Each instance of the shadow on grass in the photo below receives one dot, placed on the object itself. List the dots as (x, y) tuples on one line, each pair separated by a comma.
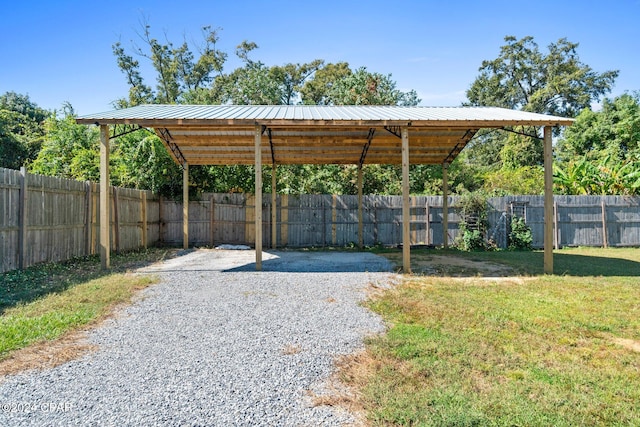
[(586, 265), (24, 286), (572, 262)]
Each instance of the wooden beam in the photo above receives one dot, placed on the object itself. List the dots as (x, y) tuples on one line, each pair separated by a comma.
[(258, 198), (185, 205), (105, 208), (406, 209), (548, 201), (445, 205)]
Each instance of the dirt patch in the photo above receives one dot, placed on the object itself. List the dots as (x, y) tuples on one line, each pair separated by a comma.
[(628, 344), (453, 266), (46, 354), (341, 389)]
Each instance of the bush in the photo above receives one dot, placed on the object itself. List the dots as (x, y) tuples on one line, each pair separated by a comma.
[(471, 240), (520, 238)]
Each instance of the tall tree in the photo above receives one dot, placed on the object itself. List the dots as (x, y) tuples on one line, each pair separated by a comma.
[(524, 78), (178, 69)]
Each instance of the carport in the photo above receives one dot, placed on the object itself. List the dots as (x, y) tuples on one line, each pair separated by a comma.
[(284, 134)]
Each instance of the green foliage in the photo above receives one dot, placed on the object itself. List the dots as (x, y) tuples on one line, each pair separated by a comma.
[(520, 237), (21, 130), (524, 78), (471, 239), (178, 71), (365, 88), (607, 176), (526, 180), (473, 227), (316, 91), (69, 150), (613, 131)]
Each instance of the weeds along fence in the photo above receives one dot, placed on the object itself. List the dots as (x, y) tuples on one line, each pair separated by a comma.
[(50, 219)]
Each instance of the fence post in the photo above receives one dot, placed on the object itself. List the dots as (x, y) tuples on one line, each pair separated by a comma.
[(160, 221), (116, 221), (212, 218), (88, 216), (605, 242), (284, 219), (22, 238), (334, 219), (427, 236), (143, 213), (556, 225)]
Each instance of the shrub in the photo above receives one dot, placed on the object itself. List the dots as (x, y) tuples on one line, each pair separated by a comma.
[(471, 240), (520, 237)]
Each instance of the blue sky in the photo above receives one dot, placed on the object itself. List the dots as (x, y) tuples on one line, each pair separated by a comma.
[(61, 51)]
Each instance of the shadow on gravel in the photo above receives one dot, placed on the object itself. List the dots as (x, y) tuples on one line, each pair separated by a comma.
[(320, 262), (280, 261)]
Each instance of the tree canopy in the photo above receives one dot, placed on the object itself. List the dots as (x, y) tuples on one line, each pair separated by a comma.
[(526, 78), (21, 130), (600, 153)]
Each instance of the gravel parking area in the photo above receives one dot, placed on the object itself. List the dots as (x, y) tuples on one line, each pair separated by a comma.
[(215, 343)]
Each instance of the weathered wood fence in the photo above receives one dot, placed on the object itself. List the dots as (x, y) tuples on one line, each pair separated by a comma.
[(51, 219), (46, 219)]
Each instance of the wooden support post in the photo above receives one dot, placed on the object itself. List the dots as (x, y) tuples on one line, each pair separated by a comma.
[(360, 210), (116, 220), (406, 222), (105, 206), (548, 201), (274, 208), (22, 238), (445, 205), (605, 240), (185, 205), (143, 217), (88, 216), (258, 198)]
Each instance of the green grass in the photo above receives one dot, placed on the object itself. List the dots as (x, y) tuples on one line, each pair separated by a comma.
[(46, 301), (532, 351)]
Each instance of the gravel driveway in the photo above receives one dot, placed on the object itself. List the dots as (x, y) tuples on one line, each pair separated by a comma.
[(215, 343)]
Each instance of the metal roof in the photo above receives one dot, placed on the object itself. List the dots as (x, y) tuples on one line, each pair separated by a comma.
[(320, 113), (301, 134)]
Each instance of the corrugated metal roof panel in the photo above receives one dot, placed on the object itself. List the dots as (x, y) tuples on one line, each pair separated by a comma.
[(318, 113)]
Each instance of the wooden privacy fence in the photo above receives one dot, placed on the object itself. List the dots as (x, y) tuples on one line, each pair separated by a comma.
[(45, 219), (326, 220), (50, 219)]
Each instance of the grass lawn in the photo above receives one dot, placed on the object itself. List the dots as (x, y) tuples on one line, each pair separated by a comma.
[(46, 301), (529, 350)]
